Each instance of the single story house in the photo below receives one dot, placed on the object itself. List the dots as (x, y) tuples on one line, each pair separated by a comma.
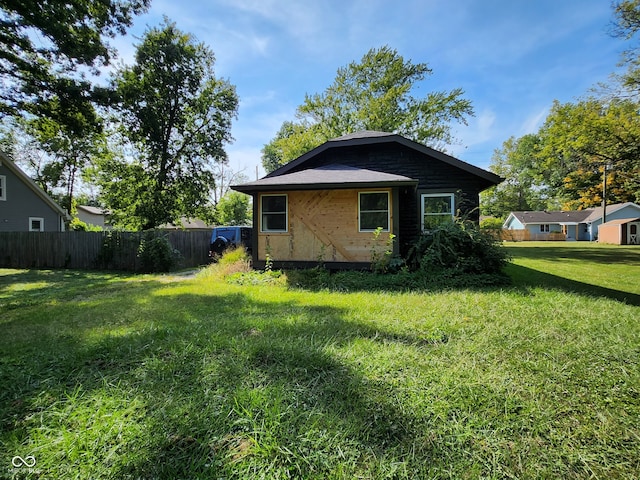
[(24, 206), (96, 216), (568, 225), (341, 201)]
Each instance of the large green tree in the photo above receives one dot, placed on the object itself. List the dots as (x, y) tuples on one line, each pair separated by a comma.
[(233, 208), (377, 93), (517, 163), (49, 46), (68, 154), (177, 117), (580, 139)]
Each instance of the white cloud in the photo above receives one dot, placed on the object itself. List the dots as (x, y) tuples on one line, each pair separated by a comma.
[(480, 128), (533, 122)]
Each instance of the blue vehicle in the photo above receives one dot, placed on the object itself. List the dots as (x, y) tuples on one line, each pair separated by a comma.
[(223, 238)]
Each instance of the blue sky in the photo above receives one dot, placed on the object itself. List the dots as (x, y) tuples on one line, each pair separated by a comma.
[(512, 58)]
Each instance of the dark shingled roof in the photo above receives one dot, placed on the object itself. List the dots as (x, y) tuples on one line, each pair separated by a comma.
[(370, 137), (576, 216), (329, 176)]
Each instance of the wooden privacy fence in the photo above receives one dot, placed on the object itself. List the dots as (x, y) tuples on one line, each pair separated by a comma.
[(526, 235), (108, 250)]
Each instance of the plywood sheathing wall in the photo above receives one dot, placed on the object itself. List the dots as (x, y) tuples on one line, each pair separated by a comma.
[(323, 226)]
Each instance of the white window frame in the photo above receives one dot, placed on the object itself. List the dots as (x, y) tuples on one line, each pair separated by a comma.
[(3, 187), (452, 200), (36, 219), (545, 228), (388, 210), (286, 213)]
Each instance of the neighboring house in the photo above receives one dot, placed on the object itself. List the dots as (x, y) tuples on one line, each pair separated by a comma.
[(569, 225), (192, 224), (24, 206), (93, 216), (326, 205)]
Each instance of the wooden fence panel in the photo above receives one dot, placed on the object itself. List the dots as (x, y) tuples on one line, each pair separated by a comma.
[(108, 250), (527, 236)]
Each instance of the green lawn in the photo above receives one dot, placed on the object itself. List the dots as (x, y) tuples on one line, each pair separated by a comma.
[(122, 376)]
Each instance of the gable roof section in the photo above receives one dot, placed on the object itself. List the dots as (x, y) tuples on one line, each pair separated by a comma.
[(622, 221), (596, 213), (577, 216), (93, 210), (17, 171), (370, 137), (329, 176)]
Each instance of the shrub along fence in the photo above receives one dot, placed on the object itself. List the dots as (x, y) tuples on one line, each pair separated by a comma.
[(108, 250)]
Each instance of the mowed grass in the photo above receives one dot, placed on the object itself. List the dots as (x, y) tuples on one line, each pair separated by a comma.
[(119, 376)]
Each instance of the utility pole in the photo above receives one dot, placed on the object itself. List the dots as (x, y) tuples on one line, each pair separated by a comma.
[(604, 194)]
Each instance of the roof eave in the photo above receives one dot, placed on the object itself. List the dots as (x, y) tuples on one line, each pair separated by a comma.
[(250, 189)]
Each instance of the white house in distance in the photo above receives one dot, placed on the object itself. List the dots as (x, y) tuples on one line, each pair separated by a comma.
[(24, 206), (93, 216), (568, 225)]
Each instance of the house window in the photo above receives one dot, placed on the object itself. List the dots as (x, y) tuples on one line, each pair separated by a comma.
[(437, 208), (3, 187), (36, 224), (273, 210), (544, 228), (373, 211)]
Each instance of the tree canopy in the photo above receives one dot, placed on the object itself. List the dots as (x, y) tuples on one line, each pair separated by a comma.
[(377, 93), (516, 162), (562, 166), (47, 49), (177, 118), (627, 26), (581, 139)]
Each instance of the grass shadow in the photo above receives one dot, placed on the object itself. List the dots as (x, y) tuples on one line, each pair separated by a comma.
[(207, 383), (601, 254), (524, 277), (401, 282)]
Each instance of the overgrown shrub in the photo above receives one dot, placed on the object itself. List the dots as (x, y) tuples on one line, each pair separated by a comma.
[(233, 261), (156, 254), (492, 223), (458, 247), (78, 225)]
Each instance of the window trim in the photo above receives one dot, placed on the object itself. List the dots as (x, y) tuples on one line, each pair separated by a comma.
[(388, 210), (286, 212), (38, 219), (452, 198), (3, 187), (545, 228)]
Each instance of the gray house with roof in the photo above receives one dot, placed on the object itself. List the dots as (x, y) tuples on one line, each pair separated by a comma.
[(351, 195), (24, 206), (569, 225)]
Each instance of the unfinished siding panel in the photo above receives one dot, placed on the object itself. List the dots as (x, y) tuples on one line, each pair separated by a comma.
[(433, 177), (323, 226)]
